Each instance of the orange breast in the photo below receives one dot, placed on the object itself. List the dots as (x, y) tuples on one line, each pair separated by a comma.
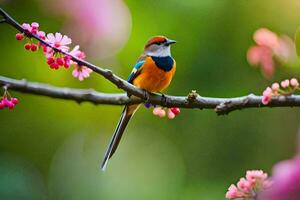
[(152, 78)]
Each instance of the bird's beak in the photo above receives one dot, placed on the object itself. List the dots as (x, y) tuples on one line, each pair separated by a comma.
[(169, 42)]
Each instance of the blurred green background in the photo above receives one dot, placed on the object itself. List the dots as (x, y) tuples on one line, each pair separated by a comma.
[(51, 149)]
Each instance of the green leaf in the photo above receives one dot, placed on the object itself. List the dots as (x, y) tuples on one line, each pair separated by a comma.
[(297, 41)]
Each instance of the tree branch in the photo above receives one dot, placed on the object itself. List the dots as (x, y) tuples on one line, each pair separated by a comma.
[(193, 100), (119, 82), (78, 95)]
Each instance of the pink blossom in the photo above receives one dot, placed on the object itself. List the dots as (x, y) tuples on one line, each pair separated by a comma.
[(267, 95), (269, 46), (265, 37), (77, 53), (266, 99), (59, 41), (171, 115), (27, 27), (175, 110), (33, 47), (156, 111), (249, 187), (276, 91), (162, 112), (14, 100), (268, 91), (8, 102), (294, 82), (275, 87), (244, 185), (19, 36), (233, 192), (286, 181), (286, 50), (81, 72), (285, 83), (35, 25), (2, 105), (261, 55), (33, 28), (256, 175), (67, 61), (41, 35), (27, 46), (159, 111)]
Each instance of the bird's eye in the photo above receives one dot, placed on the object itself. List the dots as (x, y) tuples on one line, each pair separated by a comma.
[(158, 43)]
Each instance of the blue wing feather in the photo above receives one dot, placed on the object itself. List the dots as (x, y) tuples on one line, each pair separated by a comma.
[(135, 71)]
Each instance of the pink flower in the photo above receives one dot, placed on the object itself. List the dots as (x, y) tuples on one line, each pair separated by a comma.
[(8, 102), (285, 83), (256, 176), (233, 192), (33, 47), (27, 46), (267, 95), (175, 110), (249, 187), (19, 36), (266, 99), (33, 28), (244, 185), (27, 27), (35, 25), (294, 82), (275, 87), (81, 72), (171, 115), (286, 181), (41, 35), (59, 41), (159, 111), (269, 47), (261, 55), (265, 37), (286, 50)]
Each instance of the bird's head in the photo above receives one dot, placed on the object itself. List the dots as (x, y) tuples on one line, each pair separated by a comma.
[(159, 46)]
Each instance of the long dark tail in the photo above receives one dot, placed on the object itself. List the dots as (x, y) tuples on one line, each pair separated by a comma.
[(127, 113)]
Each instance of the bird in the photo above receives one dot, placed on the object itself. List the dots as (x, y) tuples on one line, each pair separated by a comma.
[(152, 72)]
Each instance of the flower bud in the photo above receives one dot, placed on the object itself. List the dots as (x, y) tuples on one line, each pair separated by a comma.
[(171, 115), (33, 47), (19, 36), (27, 46), (294, 82), (175, 110)]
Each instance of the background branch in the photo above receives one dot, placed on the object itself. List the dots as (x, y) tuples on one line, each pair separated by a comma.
[(193, 100)]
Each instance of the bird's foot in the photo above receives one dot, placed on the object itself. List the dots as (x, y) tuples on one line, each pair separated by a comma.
[(146, 95), (164, 99)]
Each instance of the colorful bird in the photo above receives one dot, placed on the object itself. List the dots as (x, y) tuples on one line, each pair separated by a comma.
[(153, 72)]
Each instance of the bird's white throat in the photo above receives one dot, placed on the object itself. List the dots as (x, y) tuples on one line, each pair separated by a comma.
[(163, 51)]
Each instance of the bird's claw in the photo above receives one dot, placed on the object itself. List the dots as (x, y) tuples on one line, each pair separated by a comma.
[(164, 99), (146, 95)]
